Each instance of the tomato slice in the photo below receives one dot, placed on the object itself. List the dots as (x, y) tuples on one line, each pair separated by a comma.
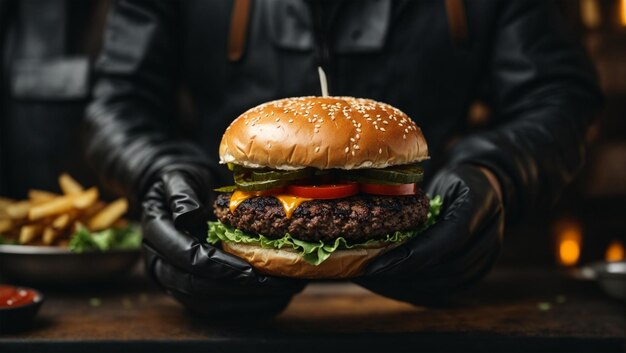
[(325, 191), (389, 190)]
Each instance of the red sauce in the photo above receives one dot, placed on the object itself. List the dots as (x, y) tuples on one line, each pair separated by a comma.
[(11, 296)]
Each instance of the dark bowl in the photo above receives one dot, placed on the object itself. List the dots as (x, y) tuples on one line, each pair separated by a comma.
[(20, 318), (54, 266)]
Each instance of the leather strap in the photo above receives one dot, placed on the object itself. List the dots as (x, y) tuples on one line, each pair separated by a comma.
[(457, 21), (238, 29)]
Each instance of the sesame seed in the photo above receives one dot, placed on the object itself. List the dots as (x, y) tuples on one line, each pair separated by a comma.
[(269, 145), (366, 115), (347, 149), (356, 147), (317, 149), (291, 120), (404, 137), (353, 153), (358, 130), (277, 119), (380, 151), (358, 136), (382, 129), (352, 139), (385, 122)]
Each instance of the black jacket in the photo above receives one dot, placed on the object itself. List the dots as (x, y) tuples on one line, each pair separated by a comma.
[(165, 80), (46, 53)]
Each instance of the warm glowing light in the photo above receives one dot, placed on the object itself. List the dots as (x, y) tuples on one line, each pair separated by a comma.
[(615, 251), (622, 12), (569, 252), (568, 241), (590, 13)]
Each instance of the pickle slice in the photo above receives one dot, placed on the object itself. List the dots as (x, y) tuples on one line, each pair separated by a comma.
[(229, 188), (392, 175), (263, 175), (396, 175), (244, 184)]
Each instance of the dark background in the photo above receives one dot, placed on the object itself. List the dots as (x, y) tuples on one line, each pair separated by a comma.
[(594, 202), (591, 210)]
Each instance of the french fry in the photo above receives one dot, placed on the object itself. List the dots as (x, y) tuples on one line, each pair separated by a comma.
[(41, 196), (19, 209), (51, 208), (29, 232), (107, 216), (49, 235), (6, 224), (61, 222), (69, 185), (87, 198), (4, 203)]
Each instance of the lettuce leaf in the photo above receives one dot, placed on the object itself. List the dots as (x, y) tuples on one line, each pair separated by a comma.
[(109, 239), (7, 241), (314, 252)]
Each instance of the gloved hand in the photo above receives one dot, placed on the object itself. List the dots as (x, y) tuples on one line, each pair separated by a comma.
[(202, 277), (456, 251)]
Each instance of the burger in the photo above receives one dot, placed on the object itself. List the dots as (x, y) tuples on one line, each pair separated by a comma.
[(322, 185)]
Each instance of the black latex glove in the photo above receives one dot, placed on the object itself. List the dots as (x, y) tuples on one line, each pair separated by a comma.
[(456, 251), (202, 277)]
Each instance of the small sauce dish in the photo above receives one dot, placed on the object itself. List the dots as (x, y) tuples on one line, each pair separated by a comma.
[(18, 307)]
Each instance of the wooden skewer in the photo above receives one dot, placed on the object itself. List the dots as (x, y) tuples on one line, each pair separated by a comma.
[(323, 81)]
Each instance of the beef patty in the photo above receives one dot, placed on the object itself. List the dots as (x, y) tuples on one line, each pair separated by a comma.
[(357, 218)]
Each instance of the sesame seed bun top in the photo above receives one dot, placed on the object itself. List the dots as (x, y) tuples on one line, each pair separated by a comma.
[(323, 132)]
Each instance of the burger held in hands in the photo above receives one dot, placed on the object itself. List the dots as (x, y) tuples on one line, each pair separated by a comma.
[(322, 186)]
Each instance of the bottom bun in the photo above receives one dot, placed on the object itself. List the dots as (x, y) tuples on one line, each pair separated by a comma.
[(289, 263)]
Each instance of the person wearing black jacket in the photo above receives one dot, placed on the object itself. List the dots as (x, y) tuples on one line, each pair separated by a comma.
[(173, 75)]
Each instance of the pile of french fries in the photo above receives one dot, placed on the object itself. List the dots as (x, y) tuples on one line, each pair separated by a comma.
[(47, 218)]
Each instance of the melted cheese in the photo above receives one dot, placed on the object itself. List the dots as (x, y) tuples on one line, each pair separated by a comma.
[(237, 198), (289, 202)]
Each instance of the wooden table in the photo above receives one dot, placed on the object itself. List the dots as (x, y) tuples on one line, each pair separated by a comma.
[(511, 310)]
